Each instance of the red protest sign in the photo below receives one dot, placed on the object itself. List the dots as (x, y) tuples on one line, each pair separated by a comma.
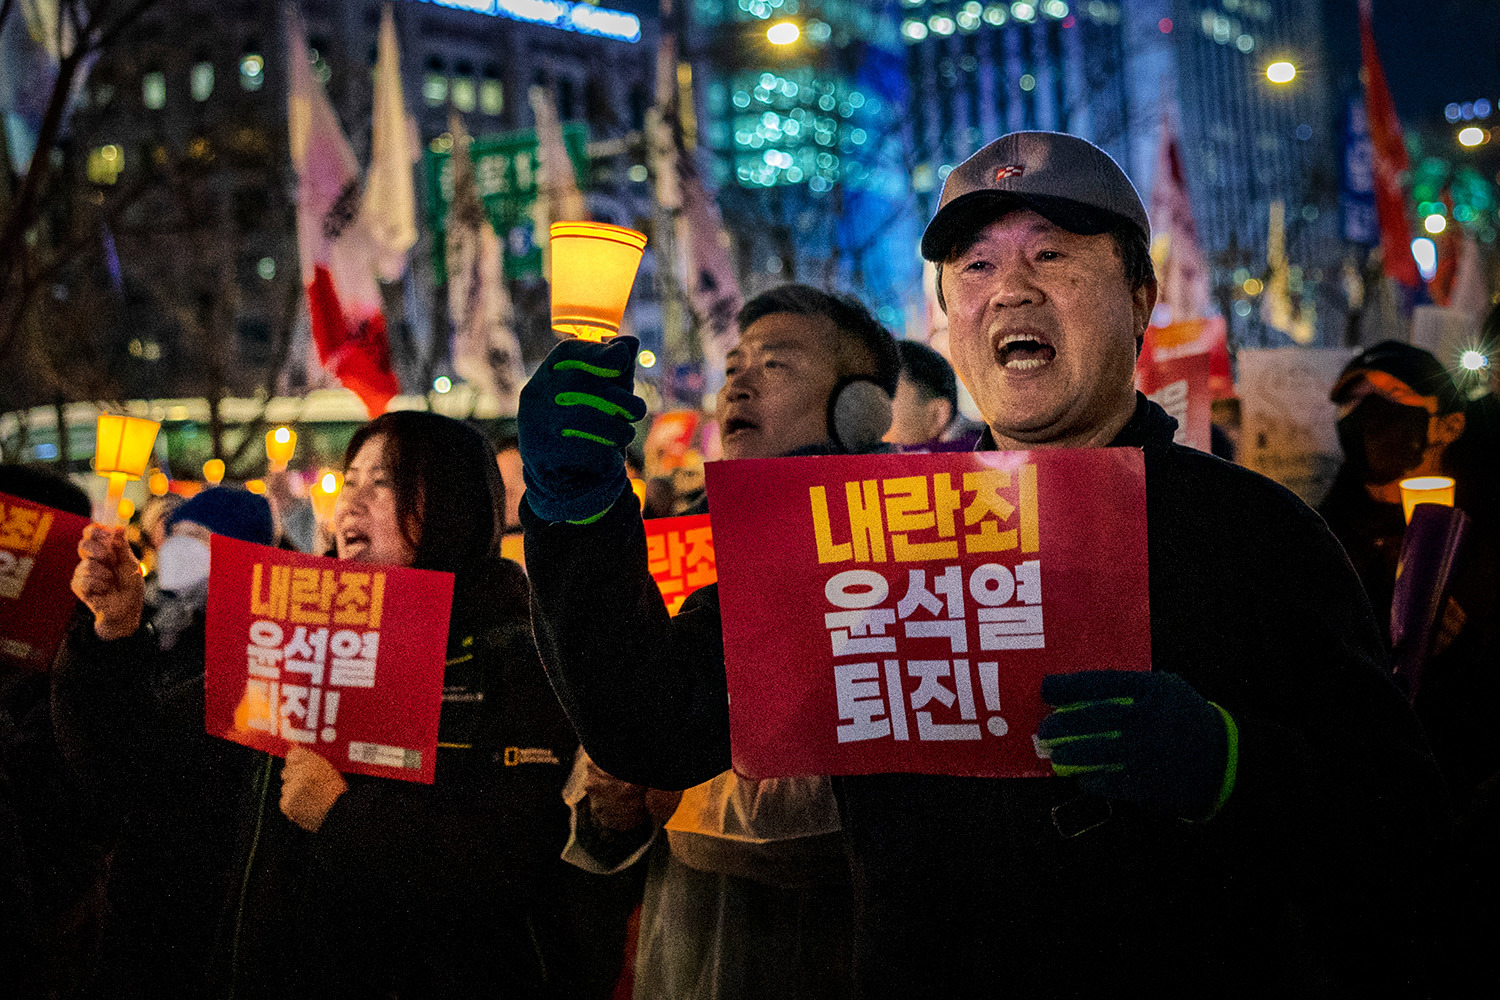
[(680, 556), (897, 613), (344, 658), (38, 553)]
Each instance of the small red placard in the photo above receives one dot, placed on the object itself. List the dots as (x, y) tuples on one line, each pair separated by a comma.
[(38, 554), (343, 658), (680, 556)]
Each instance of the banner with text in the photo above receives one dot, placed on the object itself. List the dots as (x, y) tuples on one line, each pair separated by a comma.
[(680, 556), (344, 658), (38, 553), (885, 613)]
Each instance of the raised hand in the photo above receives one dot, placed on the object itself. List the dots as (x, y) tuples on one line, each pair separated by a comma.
[(108, 580)]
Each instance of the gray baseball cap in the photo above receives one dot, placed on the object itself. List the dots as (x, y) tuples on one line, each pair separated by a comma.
[(1069, 180)]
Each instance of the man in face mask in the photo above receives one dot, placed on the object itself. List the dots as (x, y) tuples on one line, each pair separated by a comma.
[(127, 704)]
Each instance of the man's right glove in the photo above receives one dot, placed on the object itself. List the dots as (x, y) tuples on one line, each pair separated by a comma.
[(574, 424)]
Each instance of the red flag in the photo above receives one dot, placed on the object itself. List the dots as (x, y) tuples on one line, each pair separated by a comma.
[(1390, 160), (338, 251)]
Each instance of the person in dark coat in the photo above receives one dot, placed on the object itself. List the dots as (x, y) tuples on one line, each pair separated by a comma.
[(349, 886), (127, 705), (1254, 817), (52, 849)]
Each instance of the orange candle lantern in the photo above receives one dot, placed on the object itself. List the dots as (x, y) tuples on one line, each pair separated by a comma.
[(122, 447), (280, 444), (213, 471), (159, 484), (593, 269), (325, 493), (126, 510), (1425, 489)]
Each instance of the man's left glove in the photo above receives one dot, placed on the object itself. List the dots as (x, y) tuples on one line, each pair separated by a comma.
[(574, 424), (1142, 737)]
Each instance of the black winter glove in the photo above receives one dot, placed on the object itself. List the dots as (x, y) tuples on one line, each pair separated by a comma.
[(1142, 737), (574, 424)]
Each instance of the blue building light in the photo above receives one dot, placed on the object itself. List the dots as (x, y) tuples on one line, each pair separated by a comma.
[(583, 18)]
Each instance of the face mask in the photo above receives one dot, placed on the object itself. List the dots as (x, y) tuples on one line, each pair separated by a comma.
[(1383, 440), (181, 562)]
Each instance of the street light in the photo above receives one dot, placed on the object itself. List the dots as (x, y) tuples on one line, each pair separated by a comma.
[(783, 33), (1281, 72), (1435, 223), (1471, 136)]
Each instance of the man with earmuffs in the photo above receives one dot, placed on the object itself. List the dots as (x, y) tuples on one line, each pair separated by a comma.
[(748, 866)]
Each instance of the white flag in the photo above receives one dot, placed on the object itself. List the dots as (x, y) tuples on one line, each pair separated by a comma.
[(390, 196)]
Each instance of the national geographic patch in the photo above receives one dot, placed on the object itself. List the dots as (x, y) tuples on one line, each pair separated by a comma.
[(529, 755)]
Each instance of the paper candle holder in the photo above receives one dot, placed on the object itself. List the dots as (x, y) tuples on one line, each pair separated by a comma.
[(122, 449), (1425, 489), (593, 269)]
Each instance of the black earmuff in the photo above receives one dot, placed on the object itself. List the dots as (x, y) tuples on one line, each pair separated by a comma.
[(859, 414)]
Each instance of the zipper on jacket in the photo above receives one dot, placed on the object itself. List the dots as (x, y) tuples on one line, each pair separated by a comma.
[(239, 914)]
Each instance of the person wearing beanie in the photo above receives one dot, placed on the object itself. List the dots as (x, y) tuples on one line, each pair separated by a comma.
[(127, 704)]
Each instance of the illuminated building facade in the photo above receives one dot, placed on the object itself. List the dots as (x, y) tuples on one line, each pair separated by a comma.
[(811, 151), (213, 100)]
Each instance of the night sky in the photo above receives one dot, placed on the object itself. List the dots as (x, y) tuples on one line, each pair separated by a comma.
[(1434, 51)]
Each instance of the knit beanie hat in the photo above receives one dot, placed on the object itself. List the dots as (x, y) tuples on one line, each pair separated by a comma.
[(231, 512)]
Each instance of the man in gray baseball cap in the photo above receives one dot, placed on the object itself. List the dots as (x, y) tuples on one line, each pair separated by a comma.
[(1206, 806), (1242, 821)]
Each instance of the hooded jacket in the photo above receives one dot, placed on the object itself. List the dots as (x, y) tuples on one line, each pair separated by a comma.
[(1309, 881)]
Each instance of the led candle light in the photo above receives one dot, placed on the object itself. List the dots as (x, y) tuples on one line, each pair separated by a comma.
[(213, 471), (593, 269), (122, 447), (280, 444), (1425, 489), (324, 494)]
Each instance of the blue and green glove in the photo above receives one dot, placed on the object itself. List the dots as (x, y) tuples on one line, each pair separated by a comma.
[(1142, 737), (574, 424)]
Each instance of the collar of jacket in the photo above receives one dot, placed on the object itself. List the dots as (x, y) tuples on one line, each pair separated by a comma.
[(829, 448), (1148, 427)]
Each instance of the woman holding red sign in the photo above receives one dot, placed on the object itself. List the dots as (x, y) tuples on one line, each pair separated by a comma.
[(451, 889), (348, 886)]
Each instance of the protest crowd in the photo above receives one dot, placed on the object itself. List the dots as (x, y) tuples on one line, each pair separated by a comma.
[(1231, 792)]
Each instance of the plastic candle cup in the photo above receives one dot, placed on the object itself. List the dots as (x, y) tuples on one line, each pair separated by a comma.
[(1425, 489), (593, 269)]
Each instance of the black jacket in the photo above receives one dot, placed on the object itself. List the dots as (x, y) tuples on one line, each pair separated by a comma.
[(1305, 883), (411, 890)]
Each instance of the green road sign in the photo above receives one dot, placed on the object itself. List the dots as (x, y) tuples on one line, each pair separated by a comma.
[(505, 169)]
